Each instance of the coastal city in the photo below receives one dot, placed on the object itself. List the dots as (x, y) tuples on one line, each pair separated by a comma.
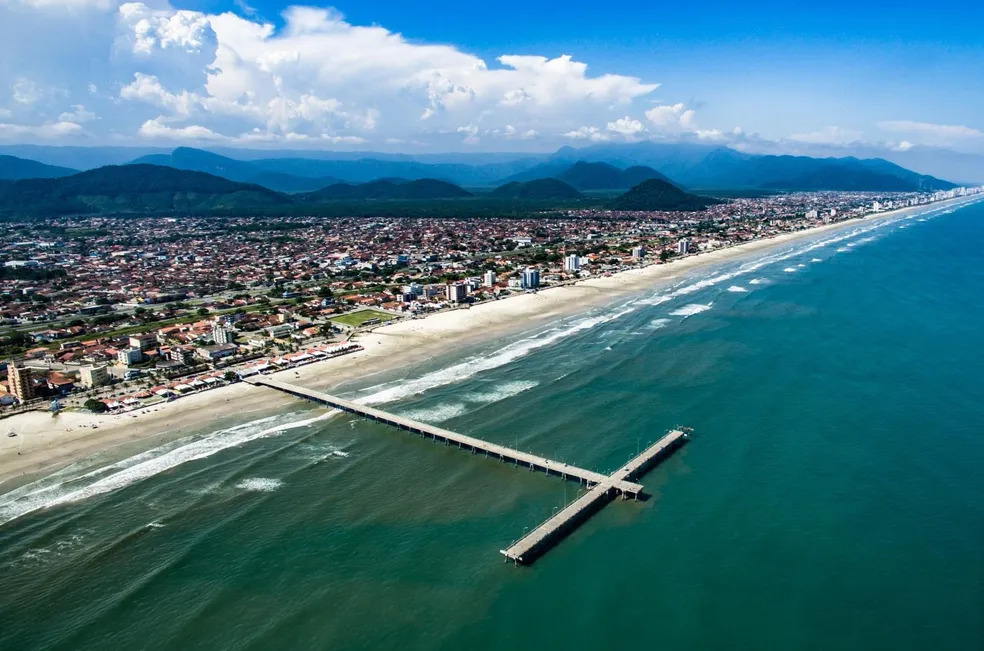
[(119, 314), (395, 326)]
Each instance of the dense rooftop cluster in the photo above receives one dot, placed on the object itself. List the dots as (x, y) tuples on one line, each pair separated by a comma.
[(78, 290)]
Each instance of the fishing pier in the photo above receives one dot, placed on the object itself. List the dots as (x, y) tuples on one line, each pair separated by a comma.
[(601, 488)]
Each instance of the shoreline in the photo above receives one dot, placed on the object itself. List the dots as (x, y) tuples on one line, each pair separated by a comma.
[(46, 444)]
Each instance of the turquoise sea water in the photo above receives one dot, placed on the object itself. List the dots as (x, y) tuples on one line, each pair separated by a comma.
[(830, 497)]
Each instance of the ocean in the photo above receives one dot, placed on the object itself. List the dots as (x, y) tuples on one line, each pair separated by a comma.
[(830, 496)]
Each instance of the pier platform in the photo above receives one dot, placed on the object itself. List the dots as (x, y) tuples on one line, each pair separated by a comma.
[(601, 488)]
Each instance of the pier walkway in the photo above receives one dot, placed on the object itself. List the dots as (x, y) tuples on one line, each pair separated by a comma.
[(601, 488), (530, 546)]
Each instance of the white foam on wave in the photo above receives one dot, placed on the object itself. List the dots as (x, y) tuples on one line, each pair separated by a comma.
[(437, 413), (842, 249), (468, 368), (61, 489), (653, 300), (501, 391), (757, 281), (790, 270), (260, 484), (691, 309), (656, 324), (816, 259), (738, 289)]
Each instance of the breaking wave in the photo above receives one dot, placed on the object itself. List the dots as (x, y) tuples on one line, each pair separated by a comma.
[(691, 309), (435, 414), (62, 489), (737, 289), (260, 484), (463, 370), (501, 392)]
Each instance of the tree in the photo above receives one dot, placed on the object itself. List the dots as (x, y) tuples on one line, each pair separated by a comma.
[(96, 406), (230, 376), (203, 311)]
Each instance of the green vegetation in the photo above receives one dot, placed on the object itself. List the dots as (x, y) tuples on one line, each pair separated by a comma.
[(357, 319), (131, 189), (538, 189), (31, 273), (387, 189), (602, 176), (655, 194), (96, 406), (13, 168)]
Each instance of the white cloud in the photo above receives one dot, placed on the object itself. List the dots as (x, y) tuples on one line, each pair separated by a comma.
[(672, 118), (626, 126), (512, 133), (830, 135), (158, 130), (78, 115), (941, 133), (45, 131), (950, 136), (145, 30), (25, 91), (713, 135), (155, 72), (592, 134)]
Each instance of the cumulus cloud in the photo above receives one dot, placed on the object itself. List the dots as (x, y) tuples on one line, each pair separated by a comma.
[(78, 115), (592, 134), (672, 118), (163, 73), (626, 126)]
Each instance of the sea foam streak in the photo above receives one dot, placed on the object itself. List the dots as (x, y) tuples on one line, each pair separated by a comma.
[(260, 484), (468, 368), (691, 309), (501, 391), (64, 490), (435, 414), (656, 324), (737, 289)]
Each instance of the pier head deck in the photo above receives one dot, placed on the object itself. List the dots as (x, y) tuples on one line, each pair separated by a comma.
[(601, 488)]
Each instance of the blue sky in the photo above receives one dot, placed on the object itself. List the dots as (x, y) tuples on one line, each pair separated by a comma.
[(771, 76)]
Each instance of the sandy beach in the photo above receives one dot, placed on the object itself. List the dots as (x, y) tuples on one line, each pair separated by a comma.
[(46, 443)]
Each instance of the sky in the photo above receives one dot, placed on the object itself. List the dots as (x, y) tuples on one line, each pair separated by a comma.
[(807, 77)]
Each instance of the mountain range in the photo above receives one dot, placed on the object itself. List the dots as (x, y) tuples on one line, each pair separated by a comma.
[(584, 175), (132, 189), (687, 165), (142, 188), (13, 168)]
